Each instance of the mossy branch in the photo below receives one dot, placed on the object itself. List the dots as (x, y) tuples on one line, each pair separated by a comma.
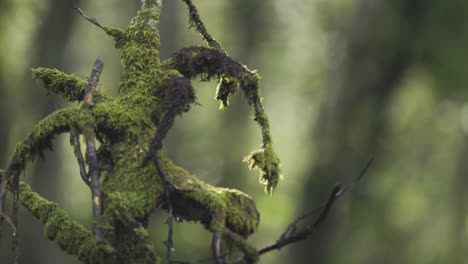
[(196, 22), (69, 86), (117, 34), (71, 236), (38, 140), (208, 63), (94, 173), (34, 144), (131, 128)]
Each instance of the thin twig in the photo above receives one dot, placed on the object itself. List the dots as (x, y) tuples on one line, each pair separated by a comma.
[(15, 240), (305, 233), (94, 173), (14, 221), (216, 247), (291, 234), (165, 124), (293, 225), (75, 142), (90, 19), (195, 21), (167, 185), (93, 81), (181, 95), (3, 185), (8, 220)]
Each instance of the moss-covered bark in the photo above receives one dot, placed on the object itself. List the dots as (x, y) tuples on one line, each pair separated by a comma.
[(126, 126)]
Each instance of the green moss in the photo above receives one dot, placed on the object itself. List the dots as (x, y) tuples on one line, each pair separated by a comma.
[(250, 253), (196, 22), (38, 140), (119, 36), (216, 208), (69, 86), (226, 87), (126, 126), (71, 236), (209, 63), (266, 161)]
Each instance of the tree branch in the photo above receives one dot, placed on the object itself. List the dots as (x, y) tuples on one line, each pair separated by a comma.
[(93, 82), (196, 22), (34, 144), (90, 19), (181, 95), (94, 173), (70, 235), (292, 235), (117, 34), (216, 247), (212, 63), (75, 142)]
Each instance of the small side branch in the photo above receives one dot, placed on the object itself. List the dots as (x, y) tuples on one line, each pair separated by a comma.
[(292, 234), (90, 19), (8, 220), (3, 216), (75, 142), (93, 82), (196, 22), (3, 189), (169, 243), (216, 247), (117, 34), (71, 236), (94, 173), (180, 95), (69, 86), (209, 63), (35, 143), (15, 241)]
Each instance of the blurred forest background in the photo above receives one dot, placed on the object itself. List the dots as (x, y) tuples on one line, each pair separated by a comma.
[(343, 81)]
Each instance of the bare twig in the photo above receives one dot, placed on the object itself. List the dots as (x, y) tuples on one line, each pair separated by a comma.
[(216, 247), (90, 19), (307, 231), (75, 142), (8, 220), (3, 185), (156, 144), (14, 221), (14, 188), (181, 95), (93, 81), (15, 241), (167, 185), (292, 234), (94, 172)]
